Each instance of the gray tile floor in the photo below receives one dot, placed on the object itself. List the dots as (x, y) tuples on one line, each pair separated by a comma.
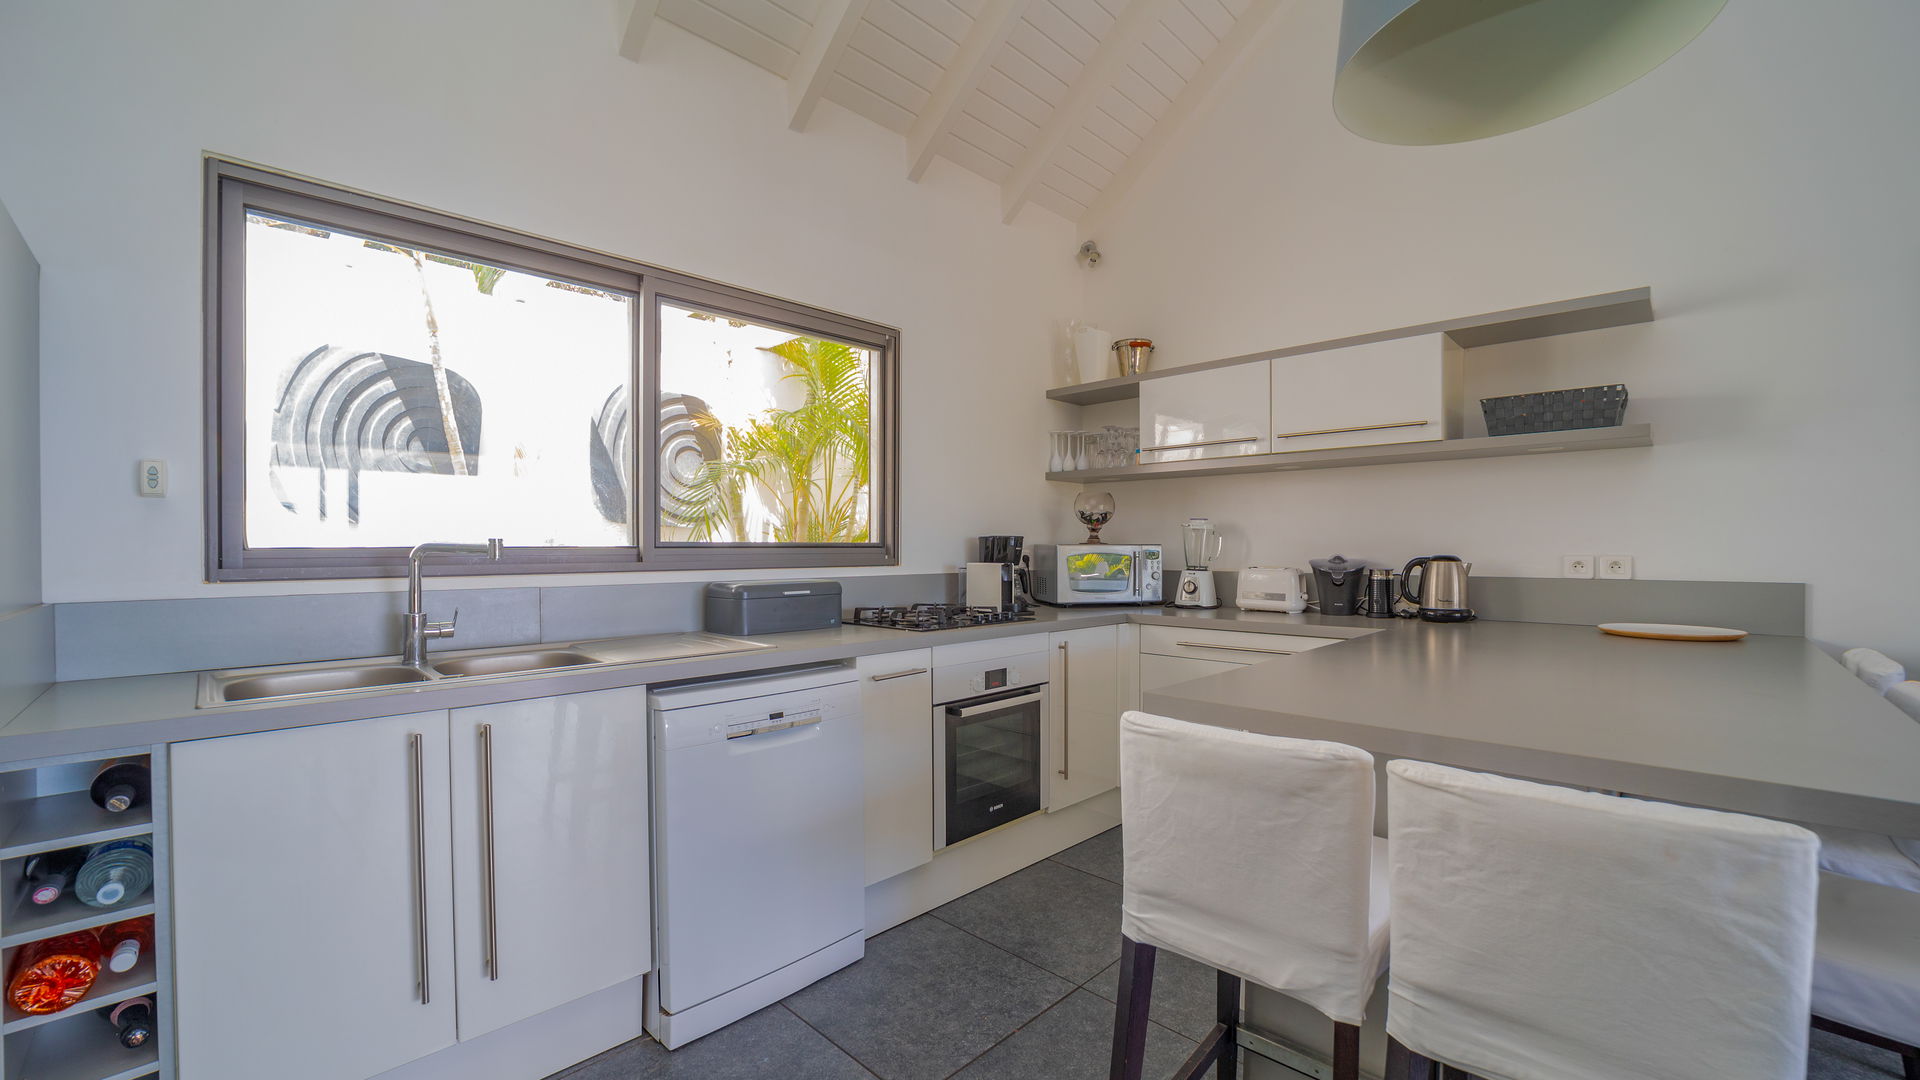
[(1014, 981)]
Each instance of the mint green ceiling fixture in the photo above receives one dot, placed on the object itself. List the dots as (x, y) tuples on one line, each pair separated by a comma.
[(1421, 72)]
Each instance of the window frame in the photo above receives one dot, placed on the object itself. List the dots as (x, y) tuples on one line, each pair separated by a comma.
[(233, 187)]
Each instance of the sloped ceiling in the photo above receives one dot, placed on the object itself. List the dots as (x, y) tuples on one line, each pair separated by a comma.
[(1063, 103)]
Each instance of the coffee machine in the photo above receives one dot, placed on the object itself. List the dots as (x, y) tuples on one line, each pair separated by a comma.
[(1202, 542), (997, 580)]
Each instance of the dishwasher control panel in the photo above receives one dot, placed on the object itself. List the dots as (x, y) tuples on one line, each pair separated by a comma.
[(793, 715)]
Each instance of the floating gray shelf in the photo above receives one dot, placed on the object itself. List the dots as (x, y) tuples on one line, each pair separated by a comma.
[(1517, 324), (1544, 442)]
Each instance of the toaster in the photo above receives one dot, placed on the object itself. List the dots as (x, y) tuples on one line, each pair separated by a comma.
[(1270, 588)]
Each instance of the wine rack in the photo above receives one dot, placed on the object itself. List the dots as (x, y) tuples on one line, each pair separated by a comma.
[(45, 807)]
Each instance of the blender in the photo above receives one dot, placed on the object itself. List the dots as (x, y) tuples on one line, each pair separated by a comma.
[(1202, 543)]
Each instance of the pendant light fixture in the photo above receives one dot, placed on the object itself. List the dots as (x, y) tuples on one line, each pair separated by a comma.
[(1421, 72)]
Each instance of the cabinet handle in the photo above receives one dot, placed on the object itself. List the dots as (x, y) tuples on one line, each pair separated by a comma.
[(1232, 648), (417, 753), (1344, 430), (1208, 442), (898, 674), (1066, 711), (486, 851)]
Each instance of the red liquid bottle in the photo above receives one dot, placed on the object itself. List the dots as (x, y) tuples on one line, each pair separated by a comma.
[(126, 941), (52, 974)]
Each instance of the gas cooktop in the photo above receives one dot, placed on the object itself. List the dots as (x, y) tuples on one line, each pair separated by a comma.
[(935, 617)]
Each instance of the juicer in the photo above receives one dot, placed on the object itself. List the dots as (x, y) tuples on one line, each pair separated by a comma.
[(1202, 543)]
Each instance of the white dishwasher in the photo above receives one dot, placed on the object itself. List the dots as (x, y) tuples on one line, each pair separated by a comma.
[(758, 849)]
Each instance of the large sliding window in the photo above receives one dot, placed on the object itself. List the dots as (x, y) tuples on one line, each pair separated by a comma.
[(382, 376)]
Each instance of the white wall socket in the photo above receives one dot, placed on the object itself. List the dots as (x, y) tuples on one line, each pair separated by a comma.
[(1617, 567), (1580, 566)]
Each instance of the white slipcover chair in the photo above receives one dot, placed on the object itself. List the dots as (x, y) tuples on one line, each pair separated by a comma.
[(1542, 933), (1874, 668), (1866, 966), (1254, 854)]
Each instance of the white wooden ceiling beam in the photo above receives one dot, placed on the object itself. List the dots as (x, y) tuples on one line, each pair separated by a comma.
[(820, 56), (639, 21), (959, 80), (1200, 91), (1099, 73)]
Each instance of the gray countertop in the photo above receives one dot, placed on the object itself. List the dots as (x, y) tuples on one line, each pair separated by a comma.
[(1769, 725), (93, 715), (1766, 725)]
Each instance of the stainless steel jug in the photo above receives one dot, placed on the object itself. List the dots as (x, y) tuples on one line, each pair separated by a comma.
[(1442, 590)]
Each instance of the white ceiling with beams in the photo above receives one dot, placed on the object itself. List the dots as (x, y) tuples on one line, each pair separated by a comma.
[(1063, 103)]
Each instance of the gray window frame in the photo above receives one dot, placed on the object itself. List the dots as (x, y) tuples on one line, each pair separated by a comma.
[(233, 187)]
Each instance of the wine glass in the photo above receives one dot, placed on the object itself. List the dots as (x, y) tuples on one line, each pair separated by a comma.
[(1080, 460), (1054, 441), (1094, 509)]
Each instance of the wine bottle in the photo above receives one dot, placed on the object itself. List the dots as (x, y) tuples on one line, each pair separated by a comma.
[(125, 941), (115, 872), (121, 786), (132, 1020), (48, 874), (53, 973)]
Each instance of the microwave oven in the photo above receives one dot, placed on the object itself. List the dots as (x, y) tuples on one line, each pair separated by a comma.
[(1096, 573)]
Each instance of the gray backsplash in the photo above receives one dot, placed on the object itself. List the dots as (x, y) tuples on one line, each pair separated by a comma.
[(145, 637)]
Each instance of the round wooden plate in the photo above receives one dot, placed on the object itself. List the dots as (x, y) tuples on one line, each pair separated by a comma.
[(1672, 632)]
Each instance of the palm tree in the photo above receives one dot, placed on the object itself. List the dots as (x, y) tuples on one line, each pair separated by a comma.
[(809, 465)]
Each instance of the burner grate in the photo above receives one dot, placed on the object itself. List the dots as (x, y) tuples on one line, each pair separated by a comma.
[(922, 617)]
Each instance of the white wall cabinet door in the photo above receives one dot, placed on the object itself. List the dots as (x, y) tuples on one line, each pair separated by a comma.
[(1404, 390), (567, 875), (1207, 414), (298, 900), (896, 700), (1084, 683), (1157, 671)]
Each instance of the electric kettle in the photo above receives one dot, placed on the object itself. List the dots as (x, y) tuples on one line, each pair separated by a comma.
[(1442, 592)]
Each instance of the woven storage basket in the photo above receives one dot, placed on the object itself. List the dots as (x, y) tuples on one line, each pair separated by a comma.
[(1555, 410)]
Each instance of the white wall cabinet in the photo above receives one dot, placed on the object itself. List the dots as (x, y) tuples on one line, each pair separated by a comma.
[(1084, 693), (896, 699), (567, 872), (1404, 390), (300, 899), (1224, 412)]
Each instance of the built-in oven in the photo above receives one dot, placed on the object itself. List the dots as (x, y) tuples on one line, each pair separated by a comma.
[(989, 744)]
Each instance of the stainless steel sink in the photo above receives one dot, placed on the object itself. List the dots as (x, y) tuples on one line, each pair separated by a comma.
[(508, 663), (319, 681)]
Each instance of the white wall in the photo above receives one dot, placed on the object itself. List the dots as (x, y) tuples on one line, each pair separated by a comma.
[(19, 420), (515, 113), (1762, 182)]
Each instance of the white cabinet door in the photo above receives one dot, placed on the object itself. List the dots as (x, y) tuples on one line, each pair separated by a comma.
[(1084, 695), (568, 870), (1157, 671), (1404, 390), (1206, 414), (299, 899), (896, 700)]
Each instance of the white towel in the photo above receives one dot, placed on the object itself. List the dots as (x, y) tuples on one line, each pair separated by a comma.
[(1874, 668)]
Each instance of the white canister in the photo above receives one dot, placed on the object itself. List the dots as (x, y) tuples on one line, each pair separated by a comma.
[(1093, 357)]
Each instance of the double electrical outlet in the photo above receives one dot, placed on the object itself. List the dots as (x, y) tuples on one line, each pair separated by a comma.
[(1617, 567)]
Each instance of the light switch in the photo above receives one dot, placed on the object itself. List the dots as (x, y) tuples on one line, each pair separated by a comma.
[(151, 480)]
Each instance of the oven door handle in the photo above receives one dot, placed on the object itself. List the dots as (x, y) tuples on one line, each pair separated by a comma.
[(1002, 705)]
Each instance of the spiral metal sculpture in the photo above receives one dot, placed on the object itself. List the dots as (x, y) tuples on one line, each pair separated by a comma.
[(610, 455), (354, 411)]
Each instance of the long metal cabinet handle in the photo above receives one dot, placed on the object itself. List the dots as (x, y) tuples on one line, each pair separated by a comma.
[(898, 674), (1066, 711), (1344, 430), (1207, 442), (1233, 648), (417, 752), (490, 867)]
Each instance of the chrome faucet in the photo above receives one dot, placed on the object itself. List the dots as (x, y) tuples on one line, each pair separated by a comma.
[(416, 629)]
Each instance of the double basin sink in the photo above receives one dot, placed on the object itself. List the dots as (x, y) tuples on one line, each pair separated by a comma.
[(245, 685)]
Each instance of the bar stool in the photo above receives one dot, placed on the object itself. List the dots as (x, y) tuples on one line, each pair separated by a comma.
[(1254, 854), (1874, 668), (1541, 933), (1867, 856)]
